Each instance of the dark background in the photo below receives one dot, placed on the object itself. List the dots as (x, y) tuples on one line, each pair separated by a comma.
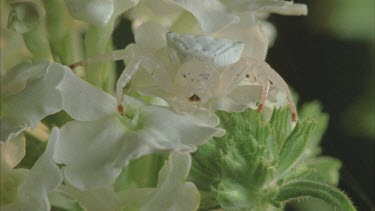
[(334, 71)]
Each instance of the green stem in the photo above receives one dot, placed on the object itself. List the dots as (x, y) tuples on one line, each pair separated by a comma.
[(37, 43), (329, 194), (60, 31), (141, 173), (98, 41)]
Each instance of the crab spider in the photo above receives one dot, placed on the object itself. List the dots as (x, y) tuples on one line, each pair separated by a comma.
[(196, 71)]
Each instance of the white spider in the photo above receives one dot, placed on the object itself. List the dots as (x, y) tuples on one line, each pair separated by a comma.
[(198, 72)]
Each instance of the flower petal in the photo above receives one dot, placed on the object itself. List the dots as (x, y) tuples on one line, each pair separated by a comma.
[(13, 152), (82, 101), (88, 150), (172, 192), (94, 200), (272, 6), (97, 12), (15, 80), (211, 15), (39, 99), (251, 33), (34, 91), (44, 177), (95, 152), (142, 35), (123, 5)]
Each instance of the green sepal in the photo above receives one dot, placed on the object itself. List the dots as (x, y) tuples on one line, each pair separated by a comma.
[(295, 145), (313, 111), (305, 188), (281, 123), (324, 169)]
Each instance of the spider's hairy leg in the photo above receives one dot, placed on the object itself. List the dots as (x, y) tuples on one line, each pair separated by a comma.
[(265, 74), (113, 56), (263, 95), (293, 109), (123, 80)]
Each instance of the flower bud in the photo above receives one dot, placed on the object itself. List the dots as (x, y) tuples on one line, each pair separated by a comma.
[(25, 16), (96, 12)]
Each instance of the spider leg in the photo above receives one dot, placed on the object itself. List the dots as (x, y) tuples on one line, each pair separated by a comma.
[(263, 95), (293, 109), (113, 56), (123, 80), (264, 71)]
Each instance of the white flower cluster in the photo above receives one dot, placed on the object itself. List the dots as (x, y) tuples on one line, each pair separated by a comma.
[(198, 56)]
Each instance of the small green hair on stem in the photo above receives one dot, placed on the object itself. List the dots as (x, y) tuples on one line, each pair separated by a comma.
[(262, 165)]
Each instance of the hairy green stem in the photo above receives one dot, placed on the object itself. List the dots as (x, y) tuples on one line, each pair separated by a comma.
[(321, 191)]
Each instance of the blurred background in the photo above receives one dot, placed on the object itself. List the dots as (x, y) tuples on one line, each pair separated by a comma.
[(328, 56)]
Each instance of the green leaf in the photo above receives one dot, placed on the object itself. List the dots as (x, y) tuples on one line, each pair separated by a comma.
[(324, 169), (295, 145), (280, 122), (313, 111), (318, 190)]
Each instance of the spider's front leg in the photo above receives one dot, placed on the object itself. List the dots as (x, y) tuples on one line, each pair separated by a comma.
[(266, 76), (124, 80), (265, 88), (125, 77), (113, 56)]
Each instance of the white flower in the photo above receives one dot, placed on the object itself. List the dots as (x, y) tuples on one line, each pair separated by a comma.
[(215, 15), (94, 152), (156, 11), (281, 7), (98, 12), (31, 92), (240, 20), (37, 183), (171, 193)]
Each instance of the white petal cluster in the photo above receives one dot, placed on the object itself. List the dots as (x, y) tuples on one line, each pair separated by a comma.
[(171, 193), (43, 178), (98, 12), (31, 92), (94, 152), (240, 20), (99, 142)]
